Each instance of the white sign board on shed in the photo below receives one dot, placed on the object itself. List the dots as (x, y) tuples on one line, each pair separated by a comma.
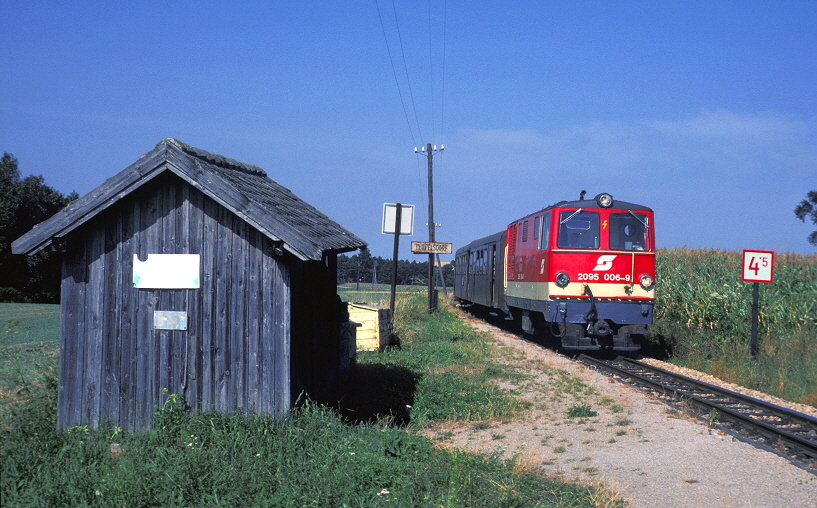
[(390, 219), (166, 271)]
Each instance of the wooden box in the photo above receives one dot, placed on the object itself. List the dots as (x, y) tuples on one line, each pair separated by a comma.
[(375, 327)]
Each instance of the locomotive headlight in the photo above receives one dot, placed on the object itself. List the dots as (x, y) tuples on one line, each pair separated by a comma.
[(604, 200), (646, 282), (562, 280)]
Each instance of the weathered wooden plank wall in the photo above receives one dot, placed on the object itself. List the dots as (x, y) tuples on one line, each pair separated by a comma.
[(236, 350)]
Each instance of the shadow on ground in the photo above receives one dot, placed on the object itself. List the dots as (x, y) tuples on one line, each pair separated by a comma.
[(375, 392)]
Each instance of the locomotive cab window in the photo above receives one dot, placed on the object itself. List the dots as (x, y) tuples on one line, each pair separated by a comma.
[(578, 230), (544, 236), (629, 231)]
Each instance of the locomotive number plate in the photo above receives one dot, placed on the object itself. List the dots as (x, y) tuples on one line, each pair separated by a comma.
[(607, 277)]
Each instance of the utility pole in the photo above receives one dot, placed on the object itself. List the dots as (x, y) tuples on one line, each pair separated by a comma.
[(432, 304)]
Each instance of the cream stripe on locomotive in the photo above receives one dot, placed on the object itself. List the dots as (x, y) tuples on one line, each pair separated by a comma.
[(546, 290), (601, 290)]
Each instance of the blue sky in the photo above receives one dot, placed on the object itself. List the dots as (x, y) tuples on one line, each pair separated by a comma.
[(706, 111)]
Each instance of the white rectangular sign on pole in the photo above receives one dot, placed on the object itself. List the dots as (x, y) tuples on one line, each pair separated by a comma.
[(758, 266), (390, 219)]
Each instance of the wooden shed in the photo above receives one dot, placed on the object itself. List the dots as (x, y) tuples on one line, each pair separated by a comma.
[(195, 273)]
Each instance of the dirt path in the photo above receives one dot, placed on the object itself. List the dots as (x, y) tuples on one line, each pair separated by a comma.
[(635, 445)]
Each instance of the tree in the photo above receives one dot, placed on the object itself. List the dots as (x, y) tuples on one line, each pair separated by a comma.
[(808, 208), (366, 263), (23, 204)]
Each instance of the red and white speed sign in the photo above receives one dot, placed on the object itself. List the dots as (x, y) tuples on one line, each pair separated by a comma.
[(758, 266)]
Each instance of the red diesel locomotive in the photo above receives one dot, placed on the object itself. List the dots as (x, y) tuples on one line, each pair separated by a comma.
[(582, 271)]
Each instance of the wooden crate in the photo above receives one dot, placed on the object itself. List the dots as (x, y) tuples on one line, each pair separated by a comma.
[(375, 327)]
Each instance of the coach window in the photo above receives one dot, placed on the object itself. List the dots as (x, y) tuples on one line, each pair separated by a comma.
[(629, 231), (544, 236), (578, 230)]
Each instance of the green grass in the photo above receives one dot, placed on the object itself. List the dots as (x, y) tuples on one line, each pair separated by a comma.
[(442, 369), (362, 451), (379, 293), (30, 322), (29, 345), (581, 411)]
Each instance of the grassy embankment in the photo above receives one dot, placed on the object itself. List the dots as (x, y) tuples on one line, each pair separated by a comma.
[(365, 453), (704, 314)]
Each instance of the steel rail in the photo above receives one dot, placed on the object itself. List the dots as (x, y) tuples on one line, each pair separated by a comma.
[(763, 417)]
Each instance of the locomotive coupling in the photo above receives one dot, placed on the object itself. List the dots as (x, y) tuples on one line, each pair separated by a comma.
[(601, 328), (595, 326)]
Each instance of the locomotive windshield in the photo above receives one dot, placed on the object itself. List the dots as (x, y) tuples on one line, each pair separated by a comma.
[(578, 230), (629, 231)]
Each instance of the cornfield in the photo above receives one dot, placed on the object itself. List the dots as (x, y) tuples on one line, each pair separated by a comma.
[(703, 314), (703, 289)]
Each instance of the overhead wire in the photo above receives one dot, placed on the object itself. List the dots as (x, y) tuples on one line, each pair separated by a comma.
[(442, 94), (431, 69), (394, 72), (405, 67), (411, 98), (408, 78)]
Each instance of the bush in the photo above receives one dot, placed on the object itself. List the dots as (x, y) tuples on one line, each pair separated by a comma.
[(11, 295)]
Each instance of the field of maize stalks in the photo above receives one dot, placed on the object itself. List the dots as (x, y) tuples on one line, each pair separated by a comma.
[(703, 289), (703, 314)]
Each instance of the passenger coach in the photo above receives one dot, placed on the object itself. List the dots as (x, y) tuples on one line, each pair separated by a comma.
[(582, 271)]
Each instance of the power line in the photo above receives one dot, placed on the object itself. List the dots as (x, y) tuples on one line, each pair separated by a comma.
[(411, 99), (394, 72), (405, 67), (431, 69), (442, 95)]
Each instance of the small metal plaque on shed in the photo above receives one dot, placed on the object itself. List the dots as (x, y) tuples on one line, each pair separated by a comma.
[(169, 320)]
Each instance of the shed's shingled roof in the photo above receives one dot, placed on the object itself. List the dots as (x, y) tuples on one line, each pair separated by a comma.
[(244, 189)]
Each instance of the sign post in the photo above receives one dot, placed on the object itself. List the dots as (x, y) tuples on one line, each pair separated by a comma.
[(395, 222), (758, 266)]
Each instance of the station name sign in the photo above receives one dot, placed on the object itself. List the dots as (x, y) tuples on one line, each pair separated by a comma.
[(431, 248)]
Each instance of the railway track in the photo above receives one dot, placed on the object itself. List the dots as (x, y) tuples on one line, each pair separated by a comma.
[(789, 432)]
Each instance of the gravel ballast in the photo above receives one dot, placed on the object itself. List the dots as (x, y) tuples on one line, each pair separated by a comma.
[(636, 445)]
